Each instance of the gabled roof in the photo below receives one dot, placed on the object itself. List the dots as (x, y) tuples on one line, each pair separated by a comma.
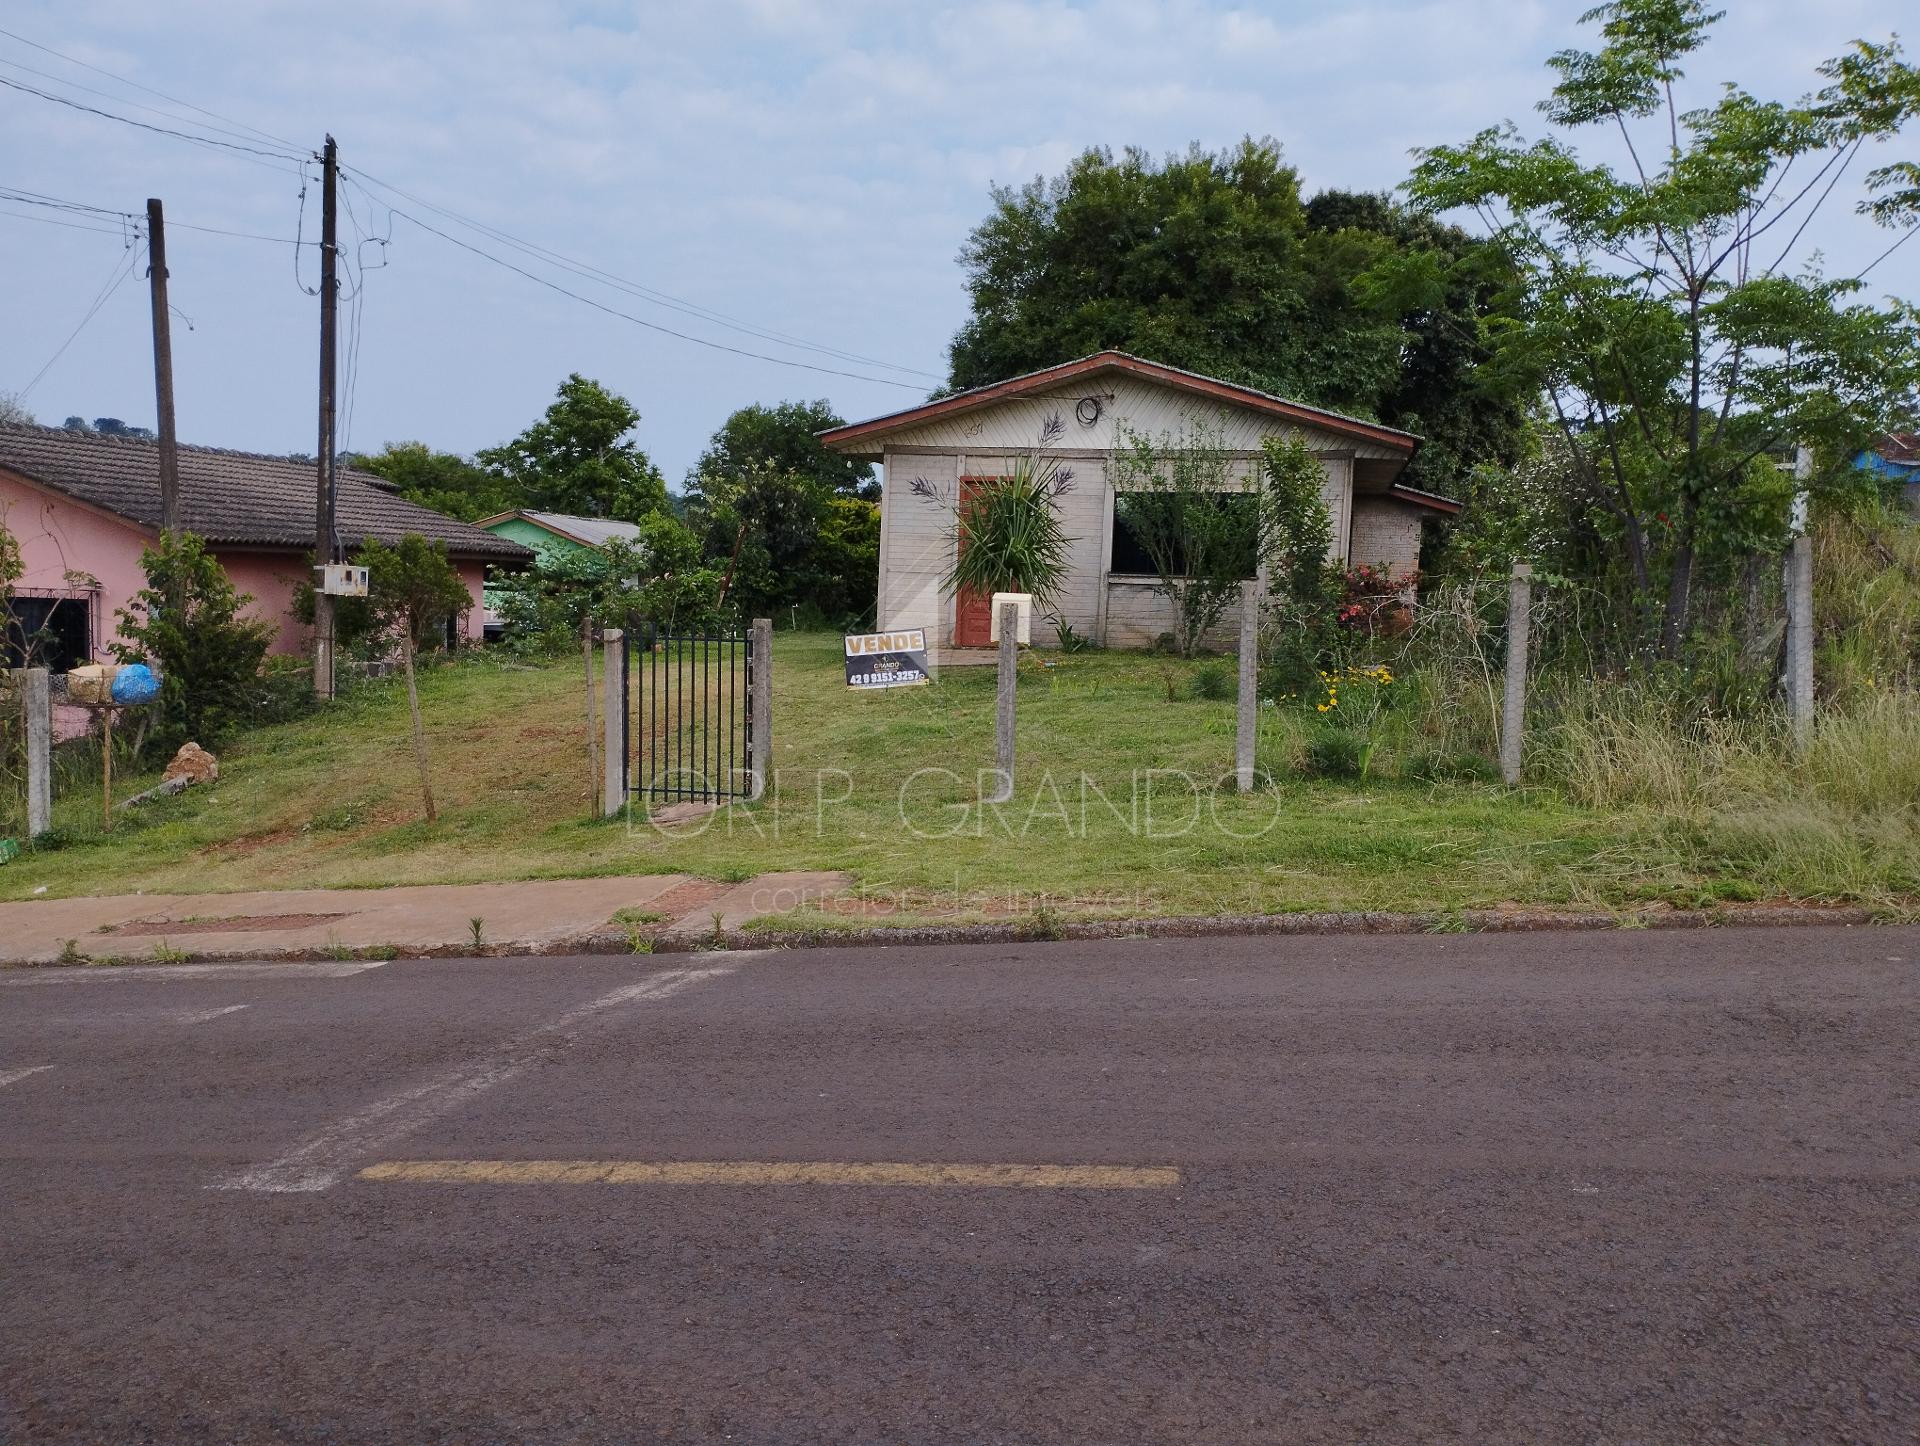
[(1212, 388), (235, 498), (587, 531)]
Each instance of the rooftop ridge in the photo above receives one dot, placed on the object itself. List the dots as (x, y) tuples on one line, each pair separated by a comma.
[(121, 440)]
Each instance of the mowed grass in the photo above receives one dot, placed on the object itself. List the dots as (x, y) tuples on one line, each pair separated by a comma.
[(1123, 805)]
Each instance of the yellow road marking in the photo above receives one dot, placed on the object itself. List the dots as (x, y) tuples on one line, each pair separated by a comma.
[(771, 1172)]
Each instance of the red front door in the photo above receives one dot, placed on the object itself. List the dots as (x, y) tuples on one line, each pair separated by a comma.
[(972, 609)]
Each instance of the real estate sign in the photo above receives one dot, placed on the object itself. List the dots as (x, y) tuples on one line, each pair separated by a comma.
[(887, 660)]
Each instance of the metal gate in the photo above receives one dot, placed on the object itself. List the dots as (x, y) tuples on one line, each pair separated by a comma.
[(690, 711)]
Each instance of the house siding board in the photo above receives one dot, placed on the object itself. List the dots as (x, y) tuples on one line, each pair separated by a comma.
[(917, 546)]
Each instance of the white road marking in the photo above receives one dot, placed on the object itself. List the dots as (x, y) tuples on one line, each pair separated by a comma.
[(146, 973), (14, 1076), (329, 1155), (201, 1016)]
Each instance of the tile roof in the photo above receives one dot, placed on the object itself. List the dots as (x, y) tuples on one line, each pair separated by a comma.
[(237, 498)]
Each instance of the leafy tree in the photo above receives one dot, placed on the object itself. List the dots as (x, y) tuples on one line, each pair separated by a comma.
[(443, 481), (1296, 543), (413, 592), (1179, 499), (1680, 348), (186, 624), (783, 438), (578, 459), (1211, 262)]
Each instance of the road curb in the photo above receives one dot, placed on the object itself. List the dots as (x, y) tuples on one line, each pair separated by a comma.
[(611, 940)]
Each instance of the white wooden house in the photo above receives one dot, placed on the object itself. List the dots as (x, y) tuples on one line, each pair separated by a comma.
[(929, 454)]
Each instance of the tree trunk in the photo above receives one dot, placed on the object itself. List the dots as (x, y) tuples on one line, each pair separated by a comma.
[(1673, 626), (593, 737), (419, 732)]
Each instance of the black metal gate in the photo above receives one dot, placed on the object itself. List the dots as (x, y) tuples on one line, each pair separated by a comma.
[(689, 714)]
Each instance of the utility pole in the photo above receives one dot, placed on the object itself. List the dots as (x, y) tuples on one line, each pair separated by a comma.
[(163, 370), (323, 528)]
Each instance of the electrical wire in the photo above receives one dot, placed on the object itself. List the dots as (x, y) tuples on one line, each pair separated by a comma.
[(118, 99), (146, 126), (634, 288), (40, 198), (122, 269), (640, 321), (171, 100), (55, 221)]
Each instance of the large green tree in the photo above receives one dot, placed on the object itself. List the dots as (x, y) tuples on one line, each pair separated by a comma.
[(1671, 302), (579, 458), (1213, 262), (785, 438), (444, 481)]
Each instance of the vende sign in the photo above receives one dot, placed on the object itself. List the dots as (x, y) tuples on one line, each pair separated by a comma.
[(887, 660)]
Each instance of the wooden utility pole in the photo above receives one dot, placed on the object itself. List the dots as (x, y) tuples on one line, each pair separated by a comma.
[(163, 369), (323, 528)]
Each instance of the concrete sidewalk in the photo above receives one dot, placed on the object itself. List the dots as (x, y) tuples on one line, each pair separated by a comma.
[(531, 917)]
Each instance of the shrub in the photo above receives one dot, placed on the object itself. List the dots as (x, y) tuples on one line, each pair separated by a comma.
[(186, 623), (1335, 752), (1215, 683)]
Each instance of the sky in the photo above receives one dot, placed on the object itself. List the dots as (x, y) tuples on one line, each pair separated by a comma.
[(798, 167)]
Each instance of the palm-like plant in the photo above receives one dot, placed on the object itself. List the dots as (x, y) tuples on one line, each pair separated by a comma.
[(1008, 533)]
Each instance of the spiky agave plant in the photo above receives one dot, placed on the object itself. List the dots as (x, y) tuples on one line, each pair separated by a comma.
[(1008, 533)]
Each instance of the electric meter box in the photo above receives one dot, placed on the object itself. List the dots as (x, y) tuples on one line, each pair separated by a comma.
[(342, 579), (1023, 633)]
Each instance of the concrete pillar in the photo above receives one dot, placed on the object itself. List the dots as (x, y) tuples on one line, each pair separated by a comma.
[(760, 705), (613, 712), (1003, 703), (37, 702), (1247, 732), (1513, 715), (1799, 589)]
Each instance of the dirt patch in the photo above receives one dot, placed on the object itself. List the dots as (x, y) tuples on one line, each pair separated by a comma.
[(226, 924), (682, 900)]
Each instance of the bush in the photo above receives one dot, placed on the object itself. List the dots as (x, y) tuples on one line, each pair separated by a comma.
[(208, 656), (1333, 752), (1215, 683)]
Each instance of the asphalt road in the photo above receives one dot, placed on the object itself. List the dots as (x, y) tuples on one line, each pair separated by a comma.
[(1611, 1187)]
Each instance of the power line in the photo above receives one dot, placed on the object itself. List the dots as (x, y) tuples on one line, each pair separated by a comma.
[(122, 269), (639, 321), (41, 198), (146, 126), (118, 99), (171, 100), (70, 225), (633, 288)]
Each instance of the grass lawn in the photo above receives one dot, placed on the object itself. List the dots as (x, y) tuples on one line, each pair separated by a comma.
[(882, 785)]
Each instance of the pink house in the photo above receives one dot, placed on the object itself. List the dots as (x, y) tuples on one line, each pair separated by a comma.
[(82, 506)]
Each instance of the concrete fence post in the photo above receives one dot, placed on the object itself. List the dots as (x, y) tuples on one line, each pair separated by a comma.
[(613, 711), (1003, 703), (1799, 590), (760, 706), (1513, 715), (1247, 732), (36, 700)]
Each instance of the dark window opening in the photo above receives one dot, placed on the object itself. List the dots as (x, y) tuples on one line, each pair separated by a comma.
[(1232, 529), (48, 632)]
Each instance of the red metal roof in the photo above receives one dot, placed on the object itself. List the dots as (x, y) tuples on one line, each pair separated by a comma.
[(1105, 361)]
